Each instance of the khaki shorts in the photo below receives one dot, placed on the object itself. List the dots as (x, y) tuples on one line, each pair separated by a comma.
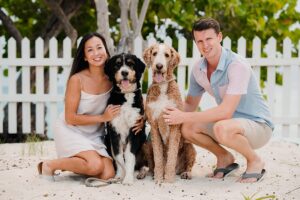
[(258, 134)]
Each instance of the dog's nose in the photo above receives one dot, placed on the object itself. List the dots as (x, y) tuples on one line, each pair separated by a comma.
[(159, 66), (124, 73)]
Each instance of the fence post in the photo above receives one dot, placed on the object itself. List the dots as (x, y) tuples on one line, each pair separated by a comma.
[(256, 53), (286, 82), (227, 42), (67, 54), (242, 47), (271, 77), (12, 74), (181, 71), (40, 106), (26, 114), (53, 54)]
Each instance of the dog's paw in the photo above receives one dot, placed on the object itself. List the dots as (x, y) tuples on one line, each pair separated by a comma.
[(158, 181), (128, 180), (186, 175), (170, 178), (142, 173), (158, 178)]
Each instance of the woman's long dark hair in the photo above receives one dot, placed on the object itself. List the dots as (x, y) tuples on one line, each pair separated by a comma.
[(79, 63)]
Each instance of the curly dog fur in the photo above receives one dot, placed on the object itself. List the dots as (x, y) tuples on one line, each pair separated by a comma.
[(171, 155)]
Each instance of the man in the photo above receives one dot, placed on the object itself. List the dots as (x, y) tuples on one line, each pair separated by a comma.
[(241, 120)]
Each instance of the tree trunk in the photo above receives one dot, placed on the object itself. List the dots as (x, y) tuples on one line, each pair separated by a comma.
[(103, 23), (11, 28), (60, 15)]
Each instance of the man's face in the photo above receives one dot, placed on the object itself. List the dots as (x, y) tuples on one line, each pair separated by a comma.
[(208, 42)]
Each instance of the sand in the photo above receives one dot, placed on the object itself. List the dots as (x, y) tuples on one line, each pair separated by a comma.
[(20, 180)]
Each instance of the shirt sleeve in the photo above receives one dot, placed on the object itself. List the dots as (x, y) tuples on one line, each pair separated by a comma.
[(194, 88), (239, 75)]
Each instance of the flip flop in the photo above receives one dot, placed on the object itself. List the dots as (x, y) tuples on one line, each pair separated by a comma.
[(41, 175), (227, 170), (258, 176)]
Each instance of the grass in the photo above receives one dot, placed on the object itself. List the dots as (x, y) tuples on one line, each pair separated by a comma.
[(252, 197), (33, 145)]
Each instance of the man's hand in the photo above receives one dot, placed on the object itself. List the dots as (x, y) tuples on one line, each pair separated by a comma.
[(173, 116)]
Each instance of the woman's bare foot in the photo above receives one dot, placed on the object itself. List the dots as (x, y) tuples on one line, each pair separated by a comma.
[(44, 169)]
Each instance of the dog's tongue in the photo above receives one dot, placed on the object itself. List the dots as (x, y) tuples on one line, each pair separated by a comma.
[(125, 83), (158, 77)]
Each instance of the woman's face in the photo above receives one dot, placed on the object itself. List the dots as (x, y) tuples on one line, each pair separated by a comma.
[(94, 52)]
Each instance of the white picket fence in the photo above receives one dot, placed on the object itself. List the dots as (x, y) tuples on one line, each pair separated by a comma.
[(283, 100)]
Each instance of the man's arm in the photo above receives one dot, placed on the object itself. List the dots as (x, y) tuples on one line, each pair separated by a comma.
[(221, 112), (191, 103)]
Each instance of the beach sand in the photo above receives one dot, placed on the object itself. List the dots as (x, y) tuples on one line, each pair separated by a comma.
[(20, 180)]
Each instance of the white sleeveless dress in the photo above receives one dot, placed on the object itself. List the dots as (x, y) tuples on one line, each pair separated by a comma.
[(72, 139)]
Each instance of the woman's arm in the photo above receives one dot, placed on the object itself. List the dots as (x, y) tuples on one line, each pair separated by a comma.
[(72, 99)]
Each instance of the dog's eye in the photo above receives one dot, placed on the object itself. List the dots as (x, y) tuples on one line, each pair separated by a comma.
[(154, 53), (167, 55), (119, 61), (130, 62)]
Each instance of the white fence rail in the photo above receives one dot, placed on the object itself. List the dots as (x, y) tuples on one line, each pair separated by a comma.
[(283, 99)]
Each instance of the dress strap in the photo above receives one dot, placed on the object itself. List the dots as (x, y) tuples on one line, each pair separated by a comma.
[(79, 76)]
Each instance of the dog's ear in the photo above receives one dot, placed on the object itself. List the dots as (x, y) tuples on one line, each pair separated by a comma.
[(140, 67), (147, 55), (108, 68), (175, 57)]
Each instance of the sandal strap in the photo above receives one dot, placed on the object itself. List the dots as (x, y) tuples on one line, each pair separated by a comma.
[(253, 175)]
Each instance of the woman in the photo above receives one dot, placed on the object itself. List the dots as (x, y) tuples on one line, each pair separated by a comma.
[(79, 131)]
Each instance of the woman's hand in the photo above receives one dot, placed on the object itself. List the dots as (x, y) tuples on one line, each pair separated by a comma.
[(173, 116), (111, 112), (139, 124)]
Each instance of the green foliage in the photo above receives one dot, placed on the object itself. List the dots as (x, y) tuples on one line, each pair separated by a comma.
[(266, 197), (237, 18), (33, 145), (30, 18)]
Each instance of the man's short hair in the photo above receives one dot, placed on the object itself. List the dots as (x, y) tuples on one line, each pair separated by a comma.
[(204, 24)]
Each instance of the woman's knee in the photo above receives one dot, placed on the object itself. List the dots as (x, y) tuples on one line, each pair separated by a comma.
[(109, 171), (107, 174), (94, 167)]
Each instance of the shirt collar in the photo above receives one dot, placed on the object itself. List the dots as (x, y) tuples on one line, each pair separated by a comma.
[(221, 65)]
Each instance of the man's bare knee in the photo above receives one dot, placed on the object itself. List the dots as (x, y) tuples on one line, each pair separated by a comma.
[(186, 131), (222, 132)]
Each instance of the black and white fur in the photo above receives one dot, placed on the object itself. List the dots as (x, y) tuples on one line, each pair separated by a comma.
[(125, 71)]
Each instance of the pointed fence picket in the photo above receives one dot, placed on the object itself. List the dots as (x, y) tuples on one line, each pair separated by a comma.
[(12, 91), (25, 52), (47, 105)]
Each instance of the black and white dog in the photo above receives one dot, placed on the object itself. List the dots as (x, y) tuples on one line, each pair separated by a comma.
[(125, 72)]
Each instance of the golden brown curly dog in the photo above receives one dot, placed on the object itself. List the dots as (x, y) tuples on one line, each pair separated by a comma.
[(171, 154)]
